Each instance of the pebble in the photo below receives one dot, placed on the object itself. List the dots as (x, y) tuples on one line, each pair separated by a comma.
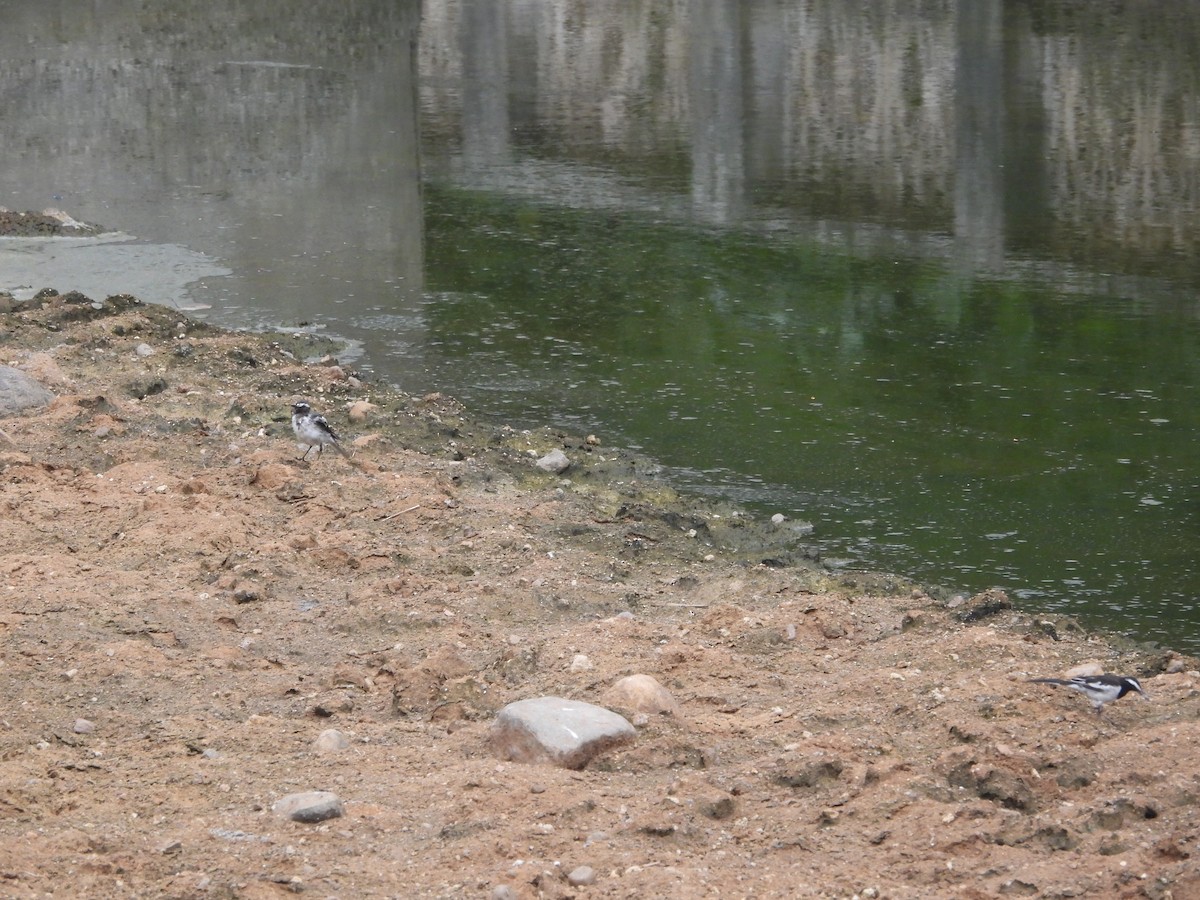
[(360, 411), (555, 731), (331, 741), (555, 461), (309, 806), (83, 726), (503, 892), (778, 519), (643, 694), (580, 663), (143, 350), (581, 875)]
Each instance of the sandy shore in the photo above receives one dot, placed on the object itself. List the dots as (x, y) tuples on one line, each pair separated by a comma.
[(187, 608)]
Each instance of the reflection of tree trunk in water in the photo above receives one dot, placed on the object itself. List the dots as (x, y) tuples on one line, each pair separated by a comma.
[(485, 139), (718, 129), (1027, 214), (979, 134)]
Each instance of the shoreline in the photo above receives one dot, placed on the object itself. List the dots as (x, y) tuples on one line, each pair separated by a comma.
[(208, 607)]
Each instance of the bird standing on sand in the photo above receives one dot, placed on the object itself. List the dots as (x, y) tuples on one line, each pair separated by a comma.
[(313, 430), (1100, 689)]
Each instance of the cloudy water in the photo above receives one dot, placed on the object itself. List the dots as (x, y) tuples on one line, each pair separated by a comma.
[(926, 278)]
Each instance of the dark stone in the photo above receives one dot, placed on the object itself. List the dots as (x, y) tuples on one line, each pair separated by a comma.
[(146, 387), (983, 606)]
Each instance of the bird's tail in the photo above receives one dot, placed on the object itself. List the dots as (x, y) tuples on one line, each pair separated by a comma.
[(1048, 681)]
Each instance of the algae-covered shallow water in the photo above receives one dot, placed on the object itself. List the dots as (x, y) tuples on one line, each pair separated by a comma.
[(969, 431)]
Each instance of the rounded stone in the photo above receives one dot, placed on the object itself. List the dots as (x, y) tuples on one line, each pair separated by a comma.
[(555, 461), (331, 741), (565, 733), (642, 694), (581, 875), (309, 806)]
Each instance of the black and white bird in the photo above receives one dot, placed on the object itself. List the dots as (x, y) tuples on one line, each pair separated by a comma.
[(1100, 689), (312, 430)]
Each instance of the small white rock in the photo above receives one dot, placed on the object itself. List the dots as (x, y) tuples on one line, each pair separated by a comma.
[(143, 350), (580, 663), (83, 726)]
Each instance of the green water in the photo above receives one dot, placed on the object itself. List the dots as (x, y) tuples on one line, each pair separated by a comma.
[(968, 432)]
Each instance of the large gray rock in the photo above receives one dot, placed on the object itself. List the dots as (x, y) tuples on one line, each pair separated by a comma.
[(566, 733), (19, 392)]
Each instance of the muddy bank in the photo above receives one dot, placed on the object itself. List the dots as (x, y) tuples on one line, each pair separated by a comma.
[(188, 609), (49, 223)]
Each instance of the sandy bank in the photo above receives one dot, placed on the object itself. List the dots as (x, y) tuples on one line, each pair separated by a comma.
[(186, 608)]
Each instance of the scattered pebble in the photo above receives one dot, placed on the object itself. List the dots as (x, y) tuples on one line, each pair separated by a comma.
[(555, 461), (331, 741), (143, 350), (83, 726), (360, 411), (230, 834), (580, 663), (581, 875), (309, 806), (1084, 670), (643, 694)]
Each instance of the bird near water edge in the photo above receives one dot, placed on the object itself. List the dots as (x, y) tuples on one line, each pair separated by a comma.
[(313, 430), (1099, 689)]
